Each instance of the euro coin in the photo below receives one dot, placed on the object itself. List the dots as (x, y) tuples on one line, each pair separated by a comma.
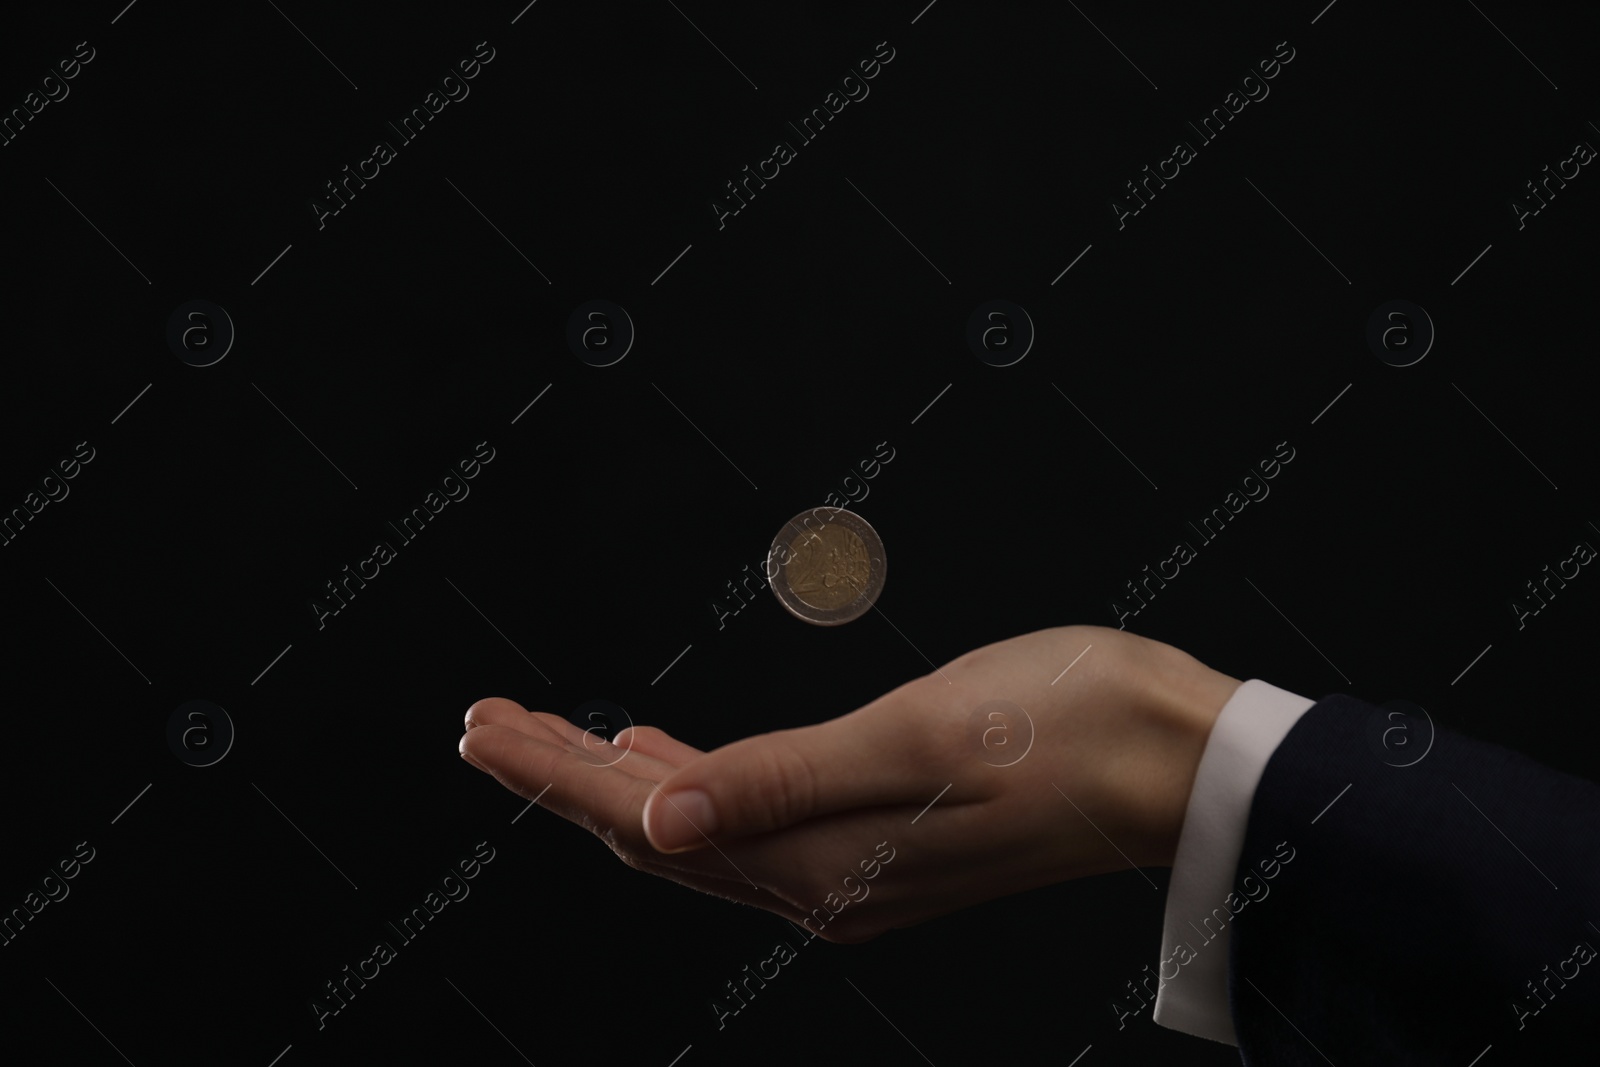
[(826, 566)]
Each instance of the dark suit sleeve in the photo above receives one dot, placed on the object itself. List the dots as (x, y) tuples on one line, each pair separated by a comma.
[(1445, 902)]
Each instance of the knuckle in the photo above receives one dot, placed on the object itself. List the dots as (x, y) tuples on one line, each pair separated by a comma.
[(939, 737), (788, 786)]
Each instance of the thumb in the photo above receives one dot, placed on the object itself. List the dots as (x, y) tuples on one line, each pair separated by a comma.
[(778, 779)]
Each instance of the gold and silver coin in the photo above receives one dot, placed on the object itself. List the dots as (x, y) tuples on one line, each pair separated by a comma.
[(826, 566)]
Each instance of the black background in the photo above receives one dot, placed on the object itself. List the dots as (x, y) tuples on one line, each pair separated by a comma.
[(797, 338)]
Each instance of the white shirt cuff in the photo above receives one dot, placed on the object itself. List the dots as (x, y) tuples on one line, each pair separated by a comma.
[(1193, 988)]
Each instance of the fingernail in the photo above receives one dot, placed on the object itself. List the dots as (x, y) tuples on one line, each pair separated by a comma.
[(462, 748), (677, 820)]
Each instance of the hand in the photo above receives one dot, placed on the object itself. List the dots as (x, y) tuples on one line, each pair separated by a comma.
[(1050, 777)]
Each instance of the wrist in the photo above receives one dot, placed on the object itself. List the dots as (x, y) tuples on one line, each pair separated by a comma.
[(1188, 697)]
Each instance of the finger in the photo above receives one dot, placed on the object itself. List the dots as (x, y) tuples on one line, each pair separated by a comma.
[(606, 801), (774, 780), (652, 741), (543, 726), (563, 778), (498, 711), (589, 740)]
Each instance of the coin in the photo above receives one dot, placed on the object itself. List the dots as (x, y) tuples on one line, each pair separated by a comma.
[(826, 566)]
